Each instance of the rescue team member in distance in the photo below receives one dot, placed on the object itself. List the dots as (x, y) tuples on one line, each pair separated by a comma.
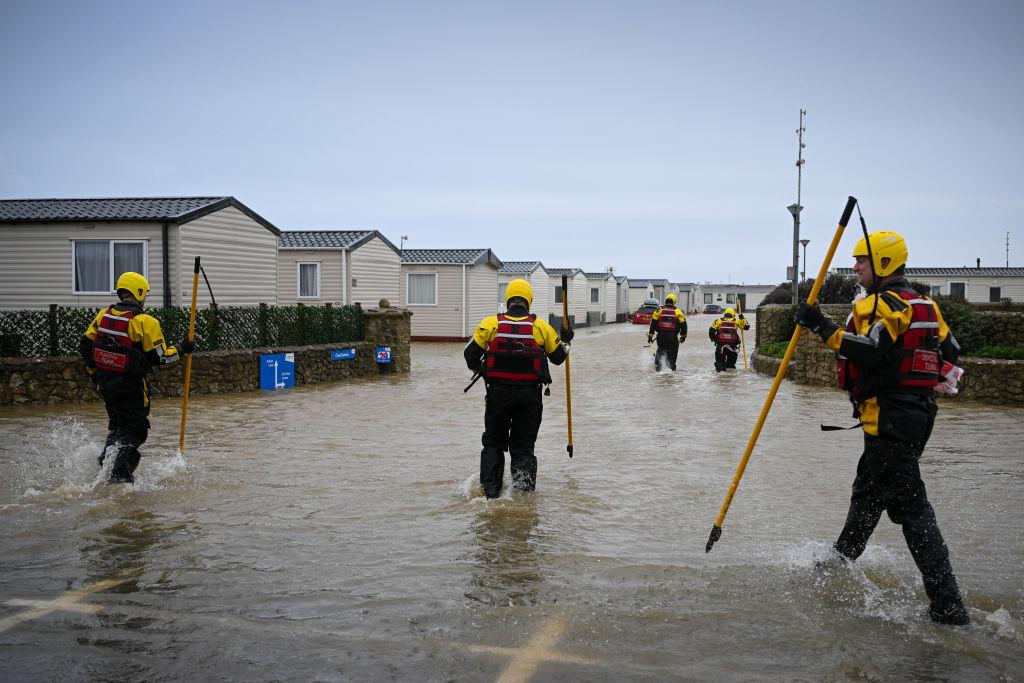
[(890, 356), (511, 351), (120, 348), (724, 332), (669, 323)]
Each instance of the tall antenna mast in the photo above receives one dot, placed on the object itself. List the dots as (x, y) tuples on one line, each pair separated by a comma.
[(1007, 249), (796, 208)]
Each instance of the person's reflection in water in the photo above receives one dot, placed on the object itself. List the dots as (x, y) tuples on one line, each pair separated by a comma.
[(119, 550), (506, 553)]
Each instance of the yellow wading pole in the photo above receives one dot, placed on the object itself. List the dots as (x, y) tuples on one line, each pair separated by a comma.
[(188, 359), (568, 381), (743, 339), (716, 530)]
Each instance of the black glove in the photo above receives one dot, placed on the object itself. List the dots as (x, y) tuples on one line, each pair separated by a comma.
[(741, 317), (566, 334), (650, 337), (187, 347), (811, 317), (682, 338)]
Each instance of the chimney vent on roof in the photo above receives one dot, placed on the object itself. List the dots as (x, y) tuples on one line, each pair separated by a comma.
[(979, 263)]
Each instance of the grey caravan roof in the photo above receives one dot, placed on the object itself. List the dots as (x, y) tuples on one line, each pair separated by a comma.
[(454, 257), (520, 266), (329, 239), (121, 210)]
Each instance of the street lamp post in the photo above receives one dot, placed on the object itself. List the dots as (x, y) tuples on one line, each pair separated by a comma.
[(803, 275)]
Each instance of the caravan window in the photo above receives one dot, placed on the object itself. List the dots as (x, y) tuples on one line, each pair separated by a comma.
[(421, 289), (98, 264), (309, 280), (595, 295)]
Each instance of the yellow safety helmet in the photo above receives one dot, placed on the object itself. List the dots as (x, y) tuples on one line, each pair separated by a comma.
[(520, 288), (884, 244), (671, 299), (730, 313), (134, 283)]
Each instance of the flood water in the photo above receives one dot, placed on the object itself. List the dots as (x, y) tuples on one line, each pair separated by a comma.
[(339, 533)]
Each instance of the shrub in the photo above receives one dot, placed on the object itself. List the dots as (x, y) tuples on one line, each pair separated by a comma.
[(836, 289), (968, 327)]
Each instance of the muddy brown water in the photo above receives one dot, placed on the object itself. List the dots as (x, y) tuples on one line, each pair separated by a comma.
[(338, 533)]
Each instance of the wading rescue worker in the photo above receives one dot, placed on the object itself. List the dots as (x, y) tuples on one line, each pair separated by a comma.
[(669, 324), (890, 358), (511, 351), (120, 348), (725, 333)]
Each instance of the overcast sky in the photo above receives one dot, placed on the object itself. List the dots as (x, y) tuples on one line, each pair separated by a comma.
[(655, 137)]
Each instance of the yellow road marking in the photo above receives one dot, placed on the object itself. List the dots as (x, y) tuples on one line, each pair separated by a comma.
[(526, 659), (64, 602)]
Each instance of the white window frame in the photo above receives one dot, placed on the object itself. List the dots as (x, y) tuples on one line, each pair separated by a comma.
[(298, 280), (950, 287), (110, 262), (437, 279)]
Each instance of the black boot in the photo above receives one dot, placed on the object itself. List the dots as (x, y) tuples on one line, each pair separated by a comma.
[(125, 462), (952, 615)]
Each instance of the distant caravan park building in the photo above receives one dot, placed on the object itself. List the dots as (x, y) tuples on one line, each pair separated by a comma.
[(601, 298), (732, 295), (639, 291), (976, 285), (316, 267), (448, 291), (621, 298), (70, 252), (578, 295)]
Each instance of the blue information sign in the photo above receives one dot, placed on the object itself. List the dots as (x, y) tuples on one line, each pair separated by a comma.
[(343, 354), (384, 355), (277, 371)]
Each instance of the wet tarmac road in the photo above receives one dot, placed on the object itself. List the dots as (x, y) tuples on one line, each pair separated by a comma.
[(338, 533)]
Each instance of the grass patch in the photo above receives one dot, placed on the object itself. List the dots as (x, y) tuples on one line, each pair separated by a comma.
[(1004, 352), (773, 349)]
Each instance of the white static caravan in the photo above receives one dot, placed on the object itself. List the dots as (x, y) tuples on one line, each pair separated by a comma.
[(449, 291), (729, 295), (976, 285), (337, 266), (70, 252), (579, 295), (621, 298), (690, 297), (536, 274), (601, 300), (639, 291)]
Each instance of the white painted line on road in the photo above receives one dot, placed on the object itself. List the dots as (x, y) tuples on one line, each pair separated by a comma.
[(65, 602), (527, 659)]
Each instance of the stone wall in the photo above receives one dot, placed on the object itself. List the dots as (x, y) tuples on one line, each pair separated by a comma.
[(63, 379), (989, 380)]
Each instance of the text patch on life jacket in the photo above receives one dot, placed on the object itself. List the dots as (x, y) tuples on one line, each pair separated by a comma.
[(112, 348), (668, 322), (914, 365), (727, 333), (514, 354)]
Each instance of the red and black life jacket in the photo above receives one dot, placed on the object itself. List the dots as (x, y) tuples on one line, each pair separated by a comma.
[(727, 333), (667, 321), (913, 365), (514, 354), (112, 349)]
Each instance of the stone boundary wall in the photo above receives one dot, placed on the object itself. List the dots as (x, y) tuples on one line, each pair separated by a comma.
[(990, 380), (63, 379)]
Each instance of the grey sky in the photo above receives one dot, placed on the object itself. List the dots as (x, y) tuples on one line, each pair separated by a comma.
[(655, 137)]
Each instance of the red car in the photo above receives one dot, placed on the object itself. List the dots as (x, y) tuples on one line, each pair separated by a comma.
[(642, 315)]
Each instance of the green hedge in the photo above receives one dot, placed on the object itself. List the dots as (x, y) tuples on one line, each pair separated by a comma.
[(57, 331)]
